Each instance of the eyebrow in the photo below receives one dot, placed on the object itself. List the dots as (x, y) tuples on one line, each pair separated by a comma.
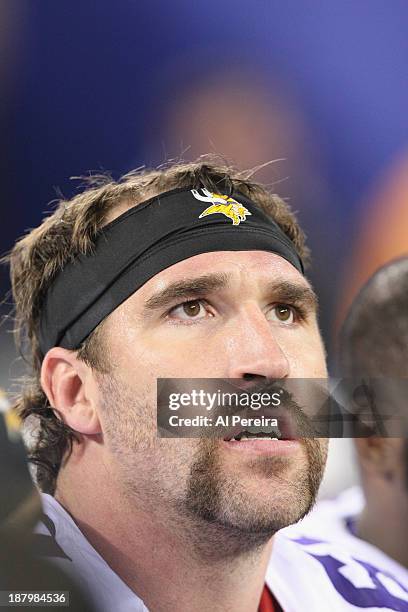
[(194, 287), (282, 291), (295, 293)]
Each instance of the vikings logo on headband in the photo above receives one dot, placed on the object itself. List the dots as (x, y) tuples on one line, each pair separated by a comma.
[(142, 242), (222, 204)]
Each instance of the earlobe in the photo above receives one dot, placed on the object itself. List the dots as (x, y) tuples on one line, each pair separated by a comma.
[(66, 381)]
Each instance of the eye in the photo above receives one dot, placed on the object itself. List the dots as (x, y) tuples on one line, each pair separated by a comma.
[(193, 309), (282, 313)]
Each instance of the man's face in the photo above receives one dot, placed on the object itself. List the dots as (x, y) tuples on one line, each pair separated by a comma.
[(248, 315)]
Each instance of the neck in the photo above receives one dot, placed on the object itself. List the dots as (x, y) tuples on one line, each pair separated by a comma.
[(383, 523), (169, 561)]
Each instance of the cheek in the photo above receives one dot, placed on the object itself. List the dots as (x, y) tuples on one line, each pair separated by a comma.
[(139, 354), (315, 361), (305, 352), (181, 353), (171, 463)]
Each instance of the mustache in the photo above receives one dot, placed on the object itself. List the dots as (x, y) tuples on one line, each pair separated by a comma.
[(293, 419)]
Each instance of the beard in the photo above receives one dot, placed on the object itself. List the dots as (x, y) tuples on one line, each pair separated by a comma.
[(222, 499), (187, 483)]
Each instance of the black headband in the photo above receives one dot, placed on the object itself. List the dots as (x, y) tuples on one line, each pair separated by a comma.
[(142, 242)]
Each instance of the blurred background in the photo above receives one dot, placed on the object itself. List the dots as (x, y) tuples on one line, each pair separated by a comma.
[(320, 86)]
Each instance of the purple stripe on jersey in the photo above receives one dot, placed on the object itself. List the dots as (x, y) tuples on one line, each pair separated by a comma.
[(361, 597)]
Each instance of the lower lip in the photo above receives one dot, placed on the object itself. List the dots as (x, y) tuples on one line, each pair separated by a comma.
[(264, 447)]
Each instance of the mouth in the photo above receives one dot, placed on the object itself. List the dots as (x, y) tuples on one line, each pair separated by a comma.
[(262, 427), (261, 441), (255, 433)]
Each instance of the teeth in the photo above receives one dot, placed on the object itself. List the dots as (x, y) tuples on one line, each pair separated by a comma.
[(265, 430), (256, 438), (253, 438)]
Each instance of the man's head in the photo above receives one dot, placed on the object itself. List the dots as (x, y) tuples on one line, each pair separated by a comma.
[(374, 345), (248, 314)]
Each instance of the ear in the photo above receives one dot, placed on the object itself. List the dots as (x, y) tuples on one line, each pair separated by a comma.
[(69, 385), (379, 456)]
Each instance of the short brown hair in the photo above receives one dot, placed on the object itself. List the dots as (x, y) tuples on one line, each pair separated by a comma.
[(374, 336), (70, 230)]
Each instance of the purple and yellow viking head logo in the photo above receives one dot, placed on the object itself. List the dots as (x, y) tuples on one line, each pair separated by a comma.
[(222, 204)]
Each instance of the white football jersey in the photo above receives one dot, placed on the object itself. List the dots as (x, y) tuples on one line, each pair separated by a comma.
[(331, 569), (58, 538), (316, 565)]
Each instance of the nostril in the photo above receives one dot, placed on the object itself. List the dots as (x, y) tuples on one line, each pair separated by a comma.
[(258, 377), (248, 381), (249, 376)]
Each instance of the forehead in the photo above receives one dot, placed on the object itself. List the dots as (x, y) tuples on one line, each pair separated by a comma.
[(242, 266)]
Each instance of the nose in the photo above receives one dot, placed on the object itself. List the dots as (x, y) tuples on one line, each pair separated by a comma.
[(255, 352)]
